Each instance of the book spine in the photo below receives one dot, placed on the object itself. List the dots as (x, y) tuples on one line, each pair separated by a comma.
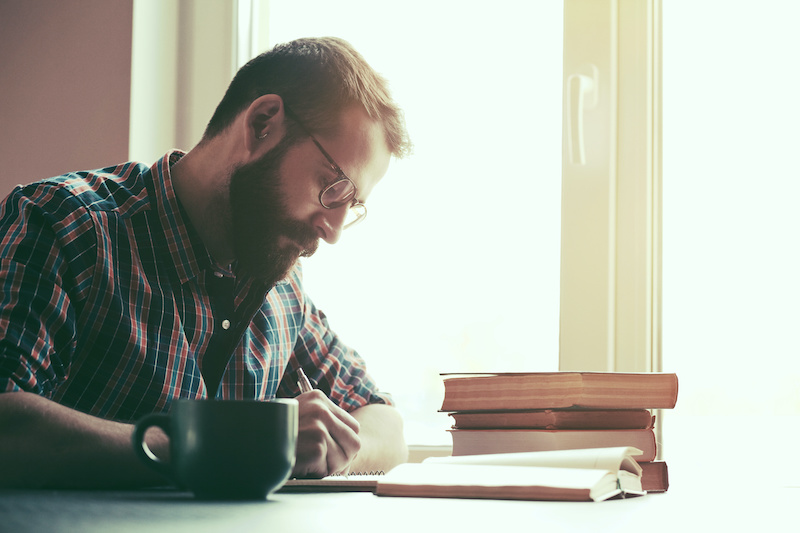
[(655, 476)]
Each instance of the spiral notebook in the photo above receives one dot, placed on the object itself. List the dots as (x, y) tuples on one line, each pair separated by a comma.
[(353, 482)]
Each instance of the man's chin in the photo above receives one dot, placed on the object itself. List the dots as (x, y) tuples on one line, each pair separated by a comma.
[(276, 264), (310, 250), (269, 270)]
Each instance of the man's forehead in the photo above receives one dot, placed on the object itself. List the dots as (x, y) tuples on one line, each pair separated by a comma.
[(356, 127), (359, 147)]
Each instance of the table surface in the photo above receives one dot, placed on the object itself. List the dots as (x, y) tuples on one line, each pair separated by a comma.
[(742, 509), (751, 488)]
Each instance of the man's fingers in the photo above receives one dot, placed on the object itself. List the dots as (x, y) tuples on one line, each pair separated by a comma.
[(316, 404), (328, 436)]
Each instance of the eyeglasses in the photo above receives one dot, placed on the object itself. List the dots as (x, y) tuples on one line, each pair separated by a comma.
[(341, 192)]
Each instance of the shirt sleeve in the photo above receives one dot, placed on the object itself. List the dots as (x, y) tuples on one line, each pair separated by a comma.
[(332, 366), (37, 322)]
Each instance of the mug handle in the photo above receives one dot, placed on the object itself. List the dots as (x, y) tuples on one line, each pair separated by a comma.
[(160, 420)]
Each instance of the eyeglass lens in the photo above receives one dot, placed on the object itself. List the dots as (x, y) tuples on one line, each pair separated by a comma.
[(355, 214), (338, 194)]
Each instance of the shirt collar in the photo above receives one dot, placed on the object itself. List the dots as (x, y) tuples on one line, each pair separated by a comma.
[(189, 254)]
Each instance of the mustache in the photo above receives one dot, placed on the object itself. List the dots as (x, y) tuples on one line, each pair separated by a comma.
[(303, 234)]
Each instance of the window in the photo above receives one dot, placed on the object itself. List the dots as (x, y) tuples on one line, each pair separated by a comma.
[(731, 128), (457, 266)]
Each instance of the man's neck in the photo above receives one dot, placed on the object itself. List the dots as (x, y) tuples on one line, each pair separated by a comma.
[(201, 184)]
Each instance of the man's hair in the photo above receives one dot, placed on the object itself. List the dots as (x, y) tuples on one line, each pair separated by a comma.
[(317, 78)]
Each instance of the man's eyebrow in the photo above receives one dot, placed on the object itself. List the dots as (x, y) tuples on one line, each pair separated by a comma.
[(330, 168)]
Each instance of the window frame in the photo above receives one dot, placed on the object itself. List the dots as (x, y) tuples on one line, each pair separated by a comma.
[(611, 202)]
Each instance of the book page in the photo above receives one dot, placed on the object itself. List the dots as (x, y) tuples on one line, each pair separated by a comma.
[(490, 475), (498, 482), (613, 459)]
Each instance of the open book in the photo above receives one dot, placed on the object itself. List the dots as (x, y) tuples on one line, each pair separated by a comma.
[(575, 475)]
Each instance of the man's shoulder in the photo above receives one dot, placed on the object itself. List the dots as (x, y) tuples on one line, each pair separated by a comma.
[(288, 293), (121, 188)]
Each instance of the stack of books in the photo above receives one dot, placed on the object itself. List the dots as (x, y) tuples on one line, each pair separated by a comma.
[(543, 411)]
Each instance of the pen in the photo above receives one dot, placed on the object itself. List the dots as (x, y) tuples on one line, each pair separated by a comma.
[(303, 382)]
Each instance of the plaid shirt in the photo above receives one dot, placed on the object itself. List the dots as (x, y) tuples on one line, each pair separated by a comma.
[(105, 305)]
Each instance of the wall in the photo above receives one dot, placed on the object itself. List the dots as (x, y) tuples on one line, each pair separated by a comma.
[(65, 76), (188, 47)]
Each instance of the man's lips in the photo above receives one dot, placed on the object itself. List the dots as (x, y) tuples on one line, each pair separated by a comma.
[(303, 249)]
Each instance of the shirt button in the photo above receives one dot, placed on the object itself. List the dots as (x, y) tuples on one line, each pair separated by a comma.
[(226, 324)]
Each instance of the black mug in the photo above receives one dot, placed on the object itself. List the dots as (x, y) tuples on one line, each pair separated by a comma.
[(225, 449)]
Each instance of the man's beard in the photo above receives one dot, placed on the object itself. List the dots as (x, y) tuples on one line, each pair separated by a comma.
[(260, 223)]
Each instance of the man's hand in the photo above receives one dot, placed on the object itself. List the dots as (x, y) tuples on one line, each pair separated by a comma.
[(328, 438)]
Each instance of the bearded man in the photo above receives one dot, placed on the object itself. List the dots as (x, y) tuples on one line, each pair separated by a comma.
[(126, 288)]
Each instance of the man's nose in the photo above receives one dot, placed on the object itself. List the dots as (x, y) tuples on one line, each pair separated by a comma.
[(329, 223)]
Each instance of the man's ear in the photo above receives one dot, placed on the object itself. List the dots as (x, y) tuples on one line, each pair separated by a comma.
[(263, 123)]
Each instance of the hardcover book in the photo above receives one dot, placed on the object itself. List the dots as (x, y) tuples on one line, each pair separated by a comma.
[(494, 441), (554, 419), (559, 390)]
